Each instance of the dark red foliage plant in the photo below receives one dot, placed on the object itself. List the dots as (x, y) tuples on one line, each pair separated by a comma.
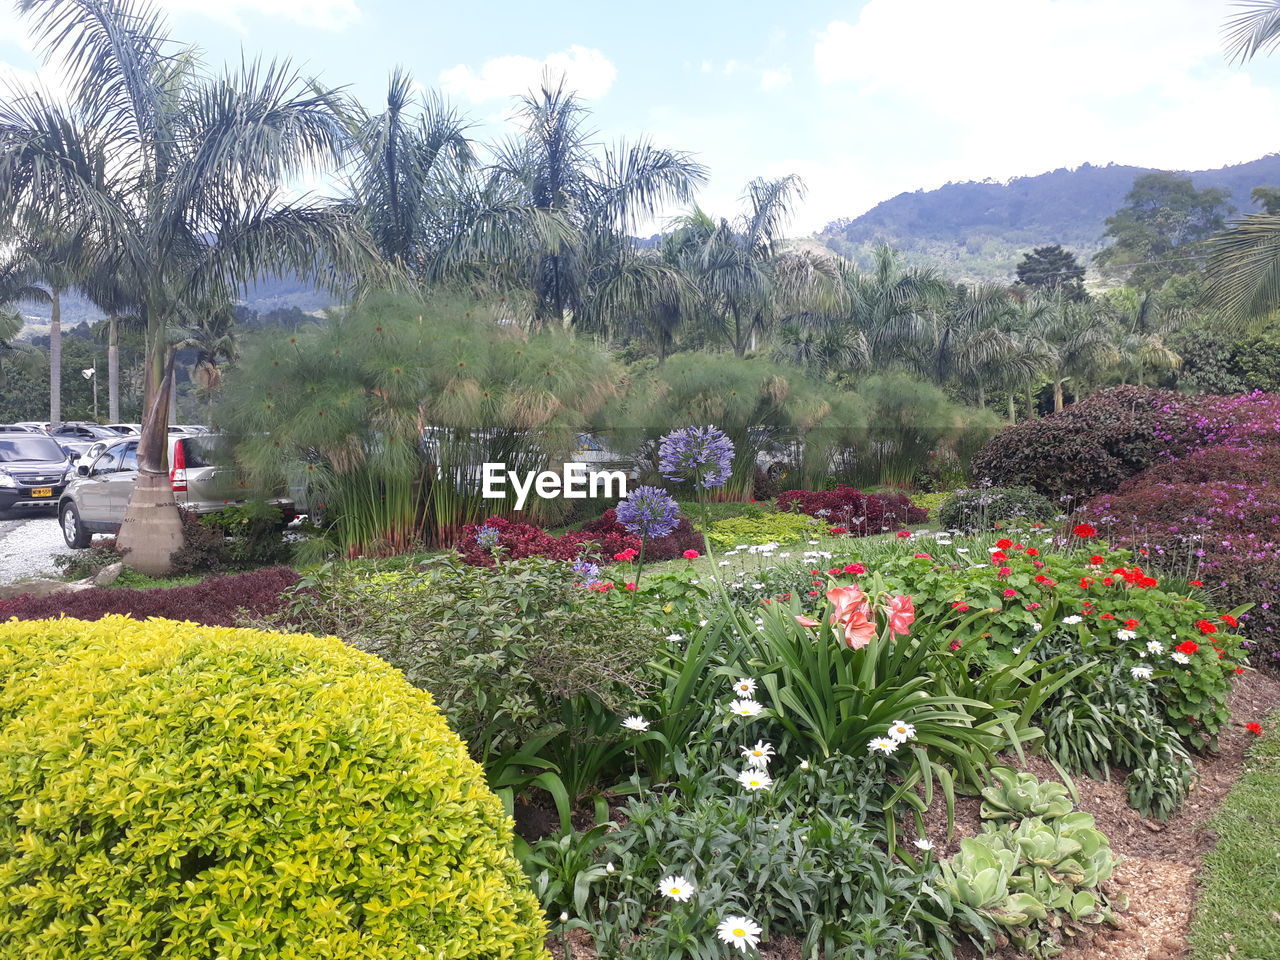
[(861, 514), (221, 601), (599, 540)]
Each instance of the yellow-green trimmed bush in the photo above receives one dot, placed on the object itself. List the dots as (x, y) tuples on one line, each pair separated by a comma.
[(769, 528), (175, 791)]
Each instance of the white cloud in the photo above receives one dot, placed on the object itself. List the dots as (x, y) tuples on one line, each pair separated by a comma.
[(1011, 87), (586, 71), (775, 79), (331, 15)]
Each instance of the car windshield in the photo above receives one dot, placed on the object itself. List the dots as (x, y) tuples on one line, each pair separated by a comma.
[(14, 449)]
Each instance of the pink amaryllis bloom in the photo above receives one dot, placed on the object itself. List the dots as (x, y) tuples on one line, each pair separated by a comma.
[(852, 611), (808, 622), (902, 613)]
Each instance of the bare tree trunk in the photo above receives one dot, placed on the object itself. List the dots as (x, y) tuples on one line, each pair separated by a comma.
[(1057, 396), (55, 359), (1031, 404), (982, 397), (1013, 413), (113, 369)]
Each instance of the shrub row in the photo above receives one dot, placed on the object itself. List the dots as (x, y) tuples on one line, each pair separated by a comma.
[(600, 540), (219, 601), (860, 514)]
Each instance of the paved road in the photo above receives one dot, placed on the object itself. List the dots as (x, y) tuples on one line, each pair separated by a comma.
[(27, 546)]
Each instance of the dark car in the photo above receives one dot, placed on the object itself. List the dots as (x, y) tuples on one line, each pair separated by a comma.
[(33, 471)]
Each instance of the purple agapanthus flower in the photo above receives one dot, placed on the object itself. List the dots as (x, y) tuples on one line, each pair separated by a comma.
[(588, 571), (487, 537), (648, 512), (700, 454)]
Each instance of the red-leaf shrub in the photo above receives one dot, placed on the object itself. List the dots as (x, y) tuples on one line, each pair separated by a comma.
[(1091, 447), (608, 531), (600, 540), (1215, 515), (215, 602), (861, 514)]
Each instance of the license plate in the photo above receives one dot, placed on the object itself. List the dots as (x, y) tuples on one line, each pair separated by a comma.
[(42, 492)]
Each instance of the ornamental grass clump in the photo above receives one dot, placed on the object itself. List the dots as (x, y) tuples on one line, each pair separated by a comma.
[(171, 790)]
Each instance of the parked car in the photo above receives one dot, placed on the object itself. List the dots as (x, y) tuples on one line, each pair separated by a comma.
[(34, 471), (203, 482), (125, 429), (17, 428), (35, 426)]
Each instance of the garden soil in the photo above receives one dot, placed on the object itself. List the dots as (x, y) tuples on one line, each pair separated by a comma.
[(1159, 862)]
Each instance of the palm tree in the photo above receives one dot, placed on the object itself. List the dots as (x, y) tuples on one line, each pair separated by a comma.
[(1244, 269), (18, 283), (578, 261), (1144, 321), (889, 305), (214, 338), (178, 179), (56, 255), (1083, 341)]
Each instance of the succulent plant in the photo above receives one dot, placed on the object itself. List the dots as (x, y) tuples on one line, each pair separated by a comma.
[(1015, 795)]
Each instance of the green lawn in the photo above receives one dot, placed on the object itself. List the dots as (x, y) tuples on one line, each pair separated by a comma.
[(1238, 914)]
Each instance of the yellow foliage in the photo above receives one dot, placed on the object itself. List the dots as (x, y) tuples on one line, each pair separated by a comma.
[(176, 791)]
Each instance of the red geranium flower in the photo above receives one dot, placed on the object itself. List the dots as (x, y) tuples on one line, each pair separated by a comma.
[(1084, 530), (1131, 623), (1032, 552), (1188, 647), (836, 531), (1086, 582), (1195, 583), (1206, 627), (1229, 620), (1003, 572), (626, 556), (903, 534), (691, 554), (1254, 728), (960, 605), (856, 569), (955, 644), (1097, 558), (1004, 544), (1010, 592), (631, 586)]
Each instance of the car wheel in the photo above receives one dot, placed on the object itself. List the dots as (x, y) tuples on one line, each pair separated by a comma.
[(73, 530)]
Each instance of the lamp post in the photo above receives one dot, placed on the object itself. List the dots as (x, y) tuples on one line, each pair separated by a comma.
[(91, 373)]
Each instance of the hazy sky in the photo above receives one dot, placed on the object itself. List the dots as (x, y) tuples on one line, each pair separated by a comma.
[(862, 99)]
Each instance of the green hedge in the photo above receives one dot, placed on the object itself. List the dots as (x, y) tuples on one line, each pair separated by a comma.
[(175, 791)]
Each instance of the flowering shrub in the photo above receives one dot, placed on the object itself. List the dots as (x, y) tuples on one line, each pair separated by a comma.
[(1214, 515), (988, 507), (485, 544), (1246, 420), (220, 601), (860, 514), (213, 779)]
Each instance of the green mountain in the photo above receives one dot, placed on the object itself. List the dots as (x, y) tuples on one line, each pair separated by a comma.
[(979, 230)]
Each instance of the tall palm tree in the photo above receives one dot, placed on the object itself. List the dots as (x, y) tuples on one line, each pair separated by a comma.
[(582, 266), (889, 305), (179, 178), (1144, 321)]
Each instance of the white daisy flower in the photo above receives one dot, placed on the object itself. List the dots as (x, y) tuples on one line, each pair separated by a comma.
[(745, 687), (1155, 646), (902, 731), (962, 550), (1181, 658), (753, 779), (724, 563), (703, 623), (676, 888), (745, 708), (674, 637), (636, 724), (740, 932), (1140, 673), (924, 844), (759, 755), (1017, 651), (1126, 634), (1073, 619), (885, 745)]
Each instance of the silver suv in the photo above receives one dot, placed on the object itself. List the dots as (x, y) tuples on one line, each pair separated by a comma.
[(95, 501)]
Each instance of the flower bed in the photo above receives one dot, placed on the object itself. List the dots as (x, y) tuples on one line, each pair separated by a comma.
[(852, 511)]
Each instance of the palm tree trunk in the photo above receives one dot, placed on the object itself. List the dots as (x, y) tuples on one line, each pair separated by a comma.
[(151, 531), (55, 359), (1057, 396), (1031, 404), (1013, 413), (113, 369), (982, 397)]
